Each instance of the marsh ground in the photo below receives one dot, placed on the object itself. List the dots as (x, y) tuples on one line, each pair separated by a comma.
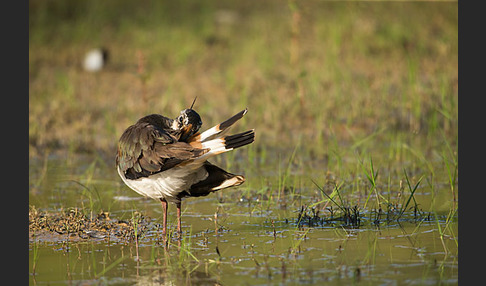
[(354, 107)]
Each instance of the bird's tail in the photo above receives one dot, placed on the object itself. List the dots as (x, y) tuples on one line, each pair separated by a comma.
[(216, 142), (226, 143)]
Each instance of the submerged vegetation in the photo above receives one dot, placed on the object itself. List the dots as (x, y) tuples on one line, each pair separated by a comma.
[(74, 225), (353, 175)]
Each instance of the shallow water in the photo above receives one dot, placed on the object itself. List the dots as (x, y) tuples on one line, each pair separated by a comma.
[(241, 236)]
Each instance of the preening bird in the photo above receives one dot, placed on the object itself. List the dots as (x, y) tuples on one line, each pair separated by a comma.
[(167, 159)]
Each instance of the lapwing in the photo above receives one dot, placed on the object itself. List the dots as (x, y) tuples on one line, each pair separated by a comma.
[(167, 159), (95, 59)]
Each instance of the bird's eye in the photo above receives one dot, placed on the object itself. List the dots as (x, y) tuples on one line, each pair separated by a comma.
[(179, 119)]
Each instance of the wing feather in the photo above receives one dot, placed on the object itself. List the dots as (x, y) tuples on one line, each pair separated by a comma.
[(145, 149)]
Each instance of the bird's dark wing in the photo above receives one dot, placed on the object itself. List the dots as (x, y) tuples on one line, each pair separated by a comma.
[(145, 149), (217, 179)]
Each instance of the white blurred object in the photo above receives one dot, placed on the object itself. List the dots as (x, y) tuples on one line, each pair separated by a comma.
[(95, 60)]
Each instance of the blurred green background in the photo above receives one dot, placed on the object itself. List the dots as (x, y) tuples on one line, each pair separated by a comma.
[(313, 71)]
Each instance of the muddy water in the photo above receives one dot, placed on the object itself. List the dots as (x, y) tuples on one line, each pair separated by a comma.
[(243, 236)]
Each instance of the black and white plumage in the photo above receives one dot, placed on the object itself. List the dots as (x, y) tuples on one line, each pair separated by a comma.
[(166, 159)]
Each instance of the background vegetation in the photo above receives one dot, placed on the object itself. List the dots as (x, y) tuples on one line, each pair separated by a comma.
[(355, 107), (323, 72)]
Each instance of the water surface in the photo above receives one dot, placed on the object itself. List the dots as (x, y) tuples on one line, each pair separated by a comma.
[(242, 236)]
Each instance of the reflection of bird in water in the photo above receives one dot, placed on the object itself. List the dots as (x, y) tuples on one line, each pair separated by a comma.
[(95, 60), (166, 159)]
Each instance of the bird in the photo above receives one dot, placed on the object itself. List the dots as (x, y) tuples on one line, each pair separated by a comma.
[(95, 59), (167, 159)]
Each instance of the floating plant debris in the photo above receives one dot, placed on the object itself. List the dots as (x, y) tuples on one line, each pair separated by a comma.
[(77, 225)]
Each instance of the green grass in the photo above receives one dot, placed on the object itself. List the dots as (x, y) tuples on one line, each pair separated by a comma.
[(354, 104), (35, 253), (359, 74)]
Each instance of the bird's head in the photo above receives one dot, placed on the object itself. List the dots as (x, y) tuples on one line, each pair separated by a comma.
[(188, 122)]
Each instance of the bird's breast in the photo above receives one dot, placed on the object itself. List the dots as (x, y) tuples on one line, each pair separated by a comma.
[(167, 184)]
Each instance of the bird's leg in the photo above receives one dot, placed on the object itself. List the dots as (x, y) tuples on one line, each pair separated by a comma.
[(179, 225), (164, 219)]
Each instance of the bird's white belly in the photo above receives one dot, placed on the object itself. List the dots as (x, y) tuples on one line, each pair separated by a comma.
[(167, 184)]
